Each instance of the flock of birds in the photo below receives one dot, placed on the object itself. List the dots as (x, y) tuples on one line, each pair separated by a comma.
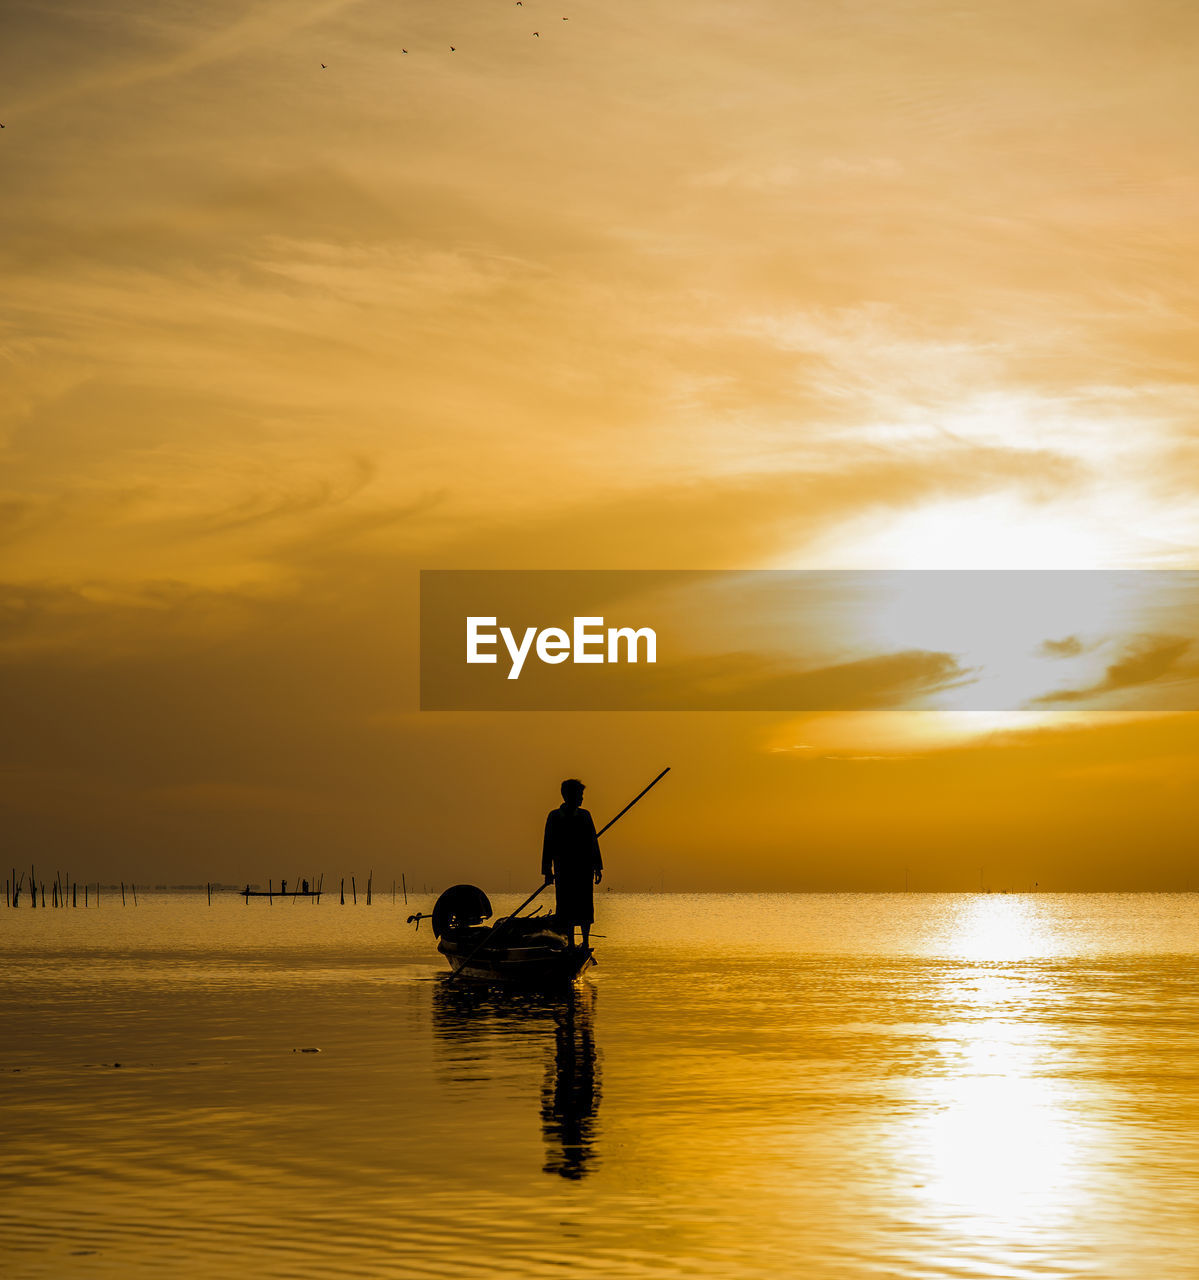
[(453, 48)]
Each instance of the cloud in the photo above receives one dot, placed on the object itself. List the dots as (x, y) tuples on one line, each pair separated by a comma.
[(1149, 660), (746, 682), (743, 520), (1068, 647), (259, 27), (321, 495)]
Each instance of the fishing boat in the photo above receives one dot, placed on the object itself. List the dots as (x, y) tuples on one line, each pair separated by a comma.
[(531, 952), (304, 891)]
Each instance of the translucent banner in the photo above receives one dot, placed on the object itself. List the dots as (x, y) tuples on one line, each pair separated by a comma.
[(611, 640)]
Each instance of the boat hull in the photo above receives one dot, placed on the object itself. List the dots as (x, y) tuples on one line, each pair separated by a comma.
[(530, 965)]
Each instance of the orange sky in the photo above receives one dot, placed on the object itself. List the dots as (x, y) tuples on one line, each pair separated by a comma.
[(772, 285)]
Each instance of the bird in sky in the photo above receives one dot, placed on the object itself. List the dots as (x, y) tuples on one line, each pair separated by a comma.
[(537, 33), (451, 48), (323, 66)]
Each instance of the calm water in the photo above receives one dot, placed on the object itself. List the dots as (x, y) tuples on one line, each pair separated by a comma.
[(748, 1086)]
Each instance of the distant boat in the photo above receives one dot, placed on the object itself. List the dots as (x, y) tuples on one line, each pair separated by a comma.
[(531, 952), (304, 891)]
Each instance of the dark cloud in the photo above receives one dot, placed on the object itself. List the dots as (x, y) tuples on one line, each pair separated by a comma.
[(1067, 647), (744, 682), (1149, 660)]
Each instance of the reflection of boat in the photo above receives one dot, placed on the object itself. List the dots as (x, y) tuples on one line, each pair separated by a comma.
[(474, 1022), (524, 951)]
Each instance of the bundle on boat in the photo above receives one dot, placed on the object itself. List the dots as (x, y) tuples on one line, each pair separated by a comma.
[(527, 951)]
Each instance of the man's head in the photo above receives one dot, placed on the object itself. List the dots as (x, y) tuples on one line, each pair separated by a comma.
[(572, 792)]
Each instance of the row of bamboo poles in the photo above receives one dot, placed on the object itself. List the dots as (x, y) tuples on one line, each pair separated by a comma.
[(315, 889), (64, 892)]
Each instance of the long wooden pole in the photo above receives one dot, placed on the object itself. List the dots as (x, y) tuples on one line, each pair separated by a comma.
[(632, 802), (495, 928)]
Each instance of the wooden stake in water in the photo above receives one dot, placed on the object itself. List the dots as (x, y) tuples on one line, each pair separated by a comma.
[(404, 882), (369, 877), (209, 888), (134, 888), (122, 893), (354, 889), (343, 891)]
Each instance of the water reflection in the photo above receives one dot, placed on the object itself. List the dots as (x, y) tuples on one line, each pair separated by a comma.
[(835, 1088), (478, 1025), (995, 1150), (570, 1096)]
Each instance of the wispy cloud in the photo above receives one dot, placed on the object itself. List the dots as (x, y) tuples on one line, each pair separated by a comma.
[(1148, 660), (179, 50), (1067, 647)]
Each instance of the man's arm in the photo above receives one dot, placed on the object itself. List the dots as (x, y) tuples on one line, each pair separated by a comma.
[(597, 861)]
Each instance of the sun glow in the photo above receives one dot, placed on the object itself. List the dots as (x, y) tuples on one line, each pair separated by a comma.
[(1000, 531), (993, 928), (997, 1152)]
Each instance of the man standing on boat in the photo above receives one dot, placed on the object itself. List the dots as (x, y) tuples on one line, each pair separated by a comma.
[(571, 862)]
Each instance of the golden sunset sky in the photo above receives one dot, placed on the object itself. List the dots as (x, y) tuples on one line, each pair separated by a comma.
[(737, 286)]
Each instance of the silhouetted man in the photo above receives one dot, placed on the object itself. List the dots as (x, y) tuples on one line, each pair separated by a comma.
[(570, 860)]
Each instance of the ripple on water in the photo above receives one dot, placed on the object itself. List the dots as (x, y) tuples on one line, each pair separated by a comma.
[(833, 1087)]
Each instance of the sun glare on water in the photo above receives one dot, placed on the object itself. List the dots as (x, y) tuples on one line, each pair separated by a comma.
[(995, 1151)]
